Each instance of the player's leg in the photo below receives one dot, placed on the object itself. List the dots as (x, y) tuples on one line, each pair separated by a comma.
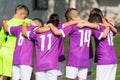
[(26, 72), (40, 75), (15, 72), (51, 74), (82, 73), (61, 70), (32, 76), (71, 72), (90, 69)]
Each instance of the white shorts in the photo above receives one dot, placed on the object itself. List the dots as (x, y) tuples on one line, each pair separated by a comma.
[(90, 69), (22, 72), (46, 75), (73, 72), (106, 72), (61, 70)]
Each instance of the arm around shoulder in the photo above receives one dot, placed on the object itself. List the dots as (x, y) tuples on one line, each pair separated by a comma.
[(24, 30), (55, 30)]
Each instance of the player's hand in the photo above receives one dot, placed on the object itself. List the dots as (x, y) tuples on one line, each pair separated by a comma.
[(50, 25), (80, 25), (106, 25), (110, 20), (4, 21)]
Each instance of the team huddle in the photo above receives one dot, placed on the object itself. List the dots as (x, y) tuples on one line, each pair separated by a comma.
[(22, 40)]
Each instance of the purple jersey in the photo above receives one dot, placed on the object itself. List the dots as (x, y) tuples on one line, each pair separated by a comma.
[(105, 51), (24, 48), (79, 49), (61, 45), (46, 50)]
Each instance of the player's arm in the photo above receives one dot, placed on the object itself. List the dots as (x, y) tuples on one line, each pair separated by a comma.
[(73, 22), (42, 29), (55, 30), (111, 24), (4, 23), (105, 32), (3, 36), (99, 34), (24, 30), (46, 28), (87, 24), (112, 27)]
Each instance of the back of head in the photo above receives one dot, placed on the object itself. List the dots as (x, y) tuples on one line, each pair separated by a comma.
[(71, 12), (95, 18), (38, 21), (96, 11), (22, 9), (54, 19)]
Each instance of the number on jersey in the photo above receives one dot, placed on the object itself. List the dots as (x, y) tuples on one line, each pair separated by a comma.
[(49, 36), (20, 40), (110, 39), (85, 37)]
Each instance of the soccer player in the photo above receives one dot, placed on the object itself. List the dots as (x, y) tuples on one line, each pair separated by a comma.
[(78, 56), (61, 57), (39, 22), (8, 42), (46, 66), (105, 56), (104, 19), (98, 11), (22, 60)]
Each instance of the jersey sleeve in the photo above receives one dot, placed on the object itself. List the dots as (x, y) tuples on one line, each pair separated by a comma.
[(61, 25), (113, 25), (3, 35), (13, 30), (67, 30), (31, 35), (98, 33)]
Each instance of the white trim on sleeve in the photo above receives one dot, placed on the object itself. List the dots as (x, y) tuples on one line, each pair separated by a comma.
[(98, 26), (100, 36), (63, 34), (9, 31), (63, 25), (28, 35), (112, 23), (35, 28)]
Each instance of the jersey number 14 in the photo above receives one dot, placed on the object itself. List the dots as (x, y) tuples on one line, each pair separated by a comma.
[(85, 36)]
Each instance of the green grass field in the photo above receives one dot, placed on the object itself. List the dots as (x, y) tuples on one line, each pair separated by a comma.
[(117, 47)]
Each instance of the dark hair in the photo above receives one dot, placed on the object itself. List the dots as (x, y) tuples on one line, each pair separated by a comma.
[(22, 6), (95, 18), (38, 19), (54, 19), (96, 11), (68, 13)]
